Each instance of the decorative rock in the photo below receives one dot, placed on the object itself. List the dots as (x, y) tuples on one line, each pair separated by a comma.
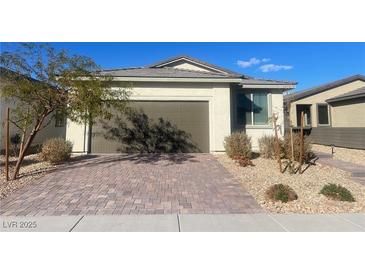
[(307, 185)]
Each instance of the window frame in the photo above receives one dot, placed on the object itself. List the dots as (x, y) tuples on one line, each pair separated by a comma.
[(269, 109), (60, 121), (328, 114), (248, 95)]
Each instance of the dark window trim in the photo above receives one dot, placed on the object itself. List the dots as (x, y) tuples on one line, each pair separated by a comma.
[(60, 122), (328, 114), (235, 108), (269, 109)]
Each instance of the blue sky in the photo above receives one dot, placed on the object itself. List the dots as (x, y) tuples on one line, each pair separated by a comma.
[(310, 64)]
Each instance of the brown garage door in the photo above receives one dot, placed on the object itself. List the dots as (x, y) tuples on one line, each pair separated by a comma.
[(184, 128)]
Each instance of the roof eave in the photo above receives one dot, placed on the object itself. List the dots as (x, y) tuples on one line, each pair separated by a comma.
[(286, 86), (345, 98), (322, 88), (175, 79)]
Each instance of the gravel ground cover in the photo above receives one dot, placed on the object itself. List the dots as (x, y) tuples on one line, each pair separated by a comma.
[(259, 178), (356, 156), (32, 169)]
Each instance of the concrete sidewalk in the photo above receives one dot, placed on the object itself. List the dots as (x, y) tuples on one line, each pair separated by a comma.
[(188, 222), (357, 171)]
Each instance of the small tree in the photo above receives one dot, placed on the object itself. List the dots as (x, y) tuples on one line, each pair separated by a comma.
[(274, 119), (45, 83)]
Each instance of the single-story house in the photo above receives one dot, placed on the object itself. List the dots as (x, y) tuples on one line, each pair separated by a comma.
[(334, 113), (56, 128), (206, 101)]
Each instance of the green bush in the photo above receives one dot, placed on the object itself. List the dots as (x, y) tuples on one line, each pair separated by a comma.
[(280, 192), (267, 146), (337, 192), (238, 144), (56, 150), (307, 147)]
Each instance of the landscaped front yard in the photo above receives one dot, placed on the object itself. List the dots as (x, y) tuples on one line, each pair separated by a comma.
[(32, 170), (257, 179), (189, 175)]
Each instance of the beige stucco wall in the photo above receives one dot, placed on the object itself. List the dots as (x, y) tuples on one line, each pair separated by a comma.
[(350, 113), (217, 94), (189, 67), (321, 98), (77, 133)]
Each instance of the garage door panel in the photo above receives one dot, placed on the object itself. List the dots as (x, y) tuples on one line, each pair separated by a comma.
[(190, 117)]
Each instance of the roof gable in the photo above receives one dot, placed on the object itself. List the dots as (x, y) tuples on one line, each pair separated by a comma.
[(312, 91), (189, 63), (354, 94), (185, 68)]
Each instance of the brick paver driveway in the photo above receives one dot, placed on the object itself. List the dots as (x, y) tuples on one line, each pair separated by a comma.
[(131, 184)]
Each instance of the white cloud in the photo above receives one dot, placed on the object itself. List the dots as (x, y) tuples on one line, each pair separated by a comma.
[(251, 62), (264, 67), (273, 67)]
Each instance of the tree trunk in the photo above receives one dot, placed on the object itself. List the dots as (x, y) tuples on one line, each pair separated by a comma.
[(22, 141), (27, 145), (277, 144), (22, 154), (301, 142)]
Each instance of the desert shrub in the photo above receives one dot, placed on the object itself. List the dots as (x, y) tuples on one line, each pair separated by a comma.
[(337, 192), (267, 146), (56, 150), (243, 161), (280, 192), (307, 148), (238, 144)]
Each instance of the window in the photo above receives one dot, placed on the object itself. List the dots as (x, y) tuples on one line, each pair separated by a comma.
[(252, 108), (59, 120), (323, 118), (243, 110), (260, 109)]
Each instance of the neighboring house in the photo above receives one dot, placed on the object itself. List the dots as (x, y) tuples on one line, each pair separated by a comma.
[(204, 100), (56, 128), (334, 113)]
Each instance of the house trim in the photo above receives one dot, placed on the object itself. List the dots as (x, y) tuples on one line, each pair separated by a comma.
[(270, 86)]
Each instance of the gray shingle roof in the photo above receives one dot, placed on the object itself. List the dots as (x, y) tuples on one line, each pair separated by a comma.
[(357, 93), (321, 88), (164, 72), (155, 71)]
